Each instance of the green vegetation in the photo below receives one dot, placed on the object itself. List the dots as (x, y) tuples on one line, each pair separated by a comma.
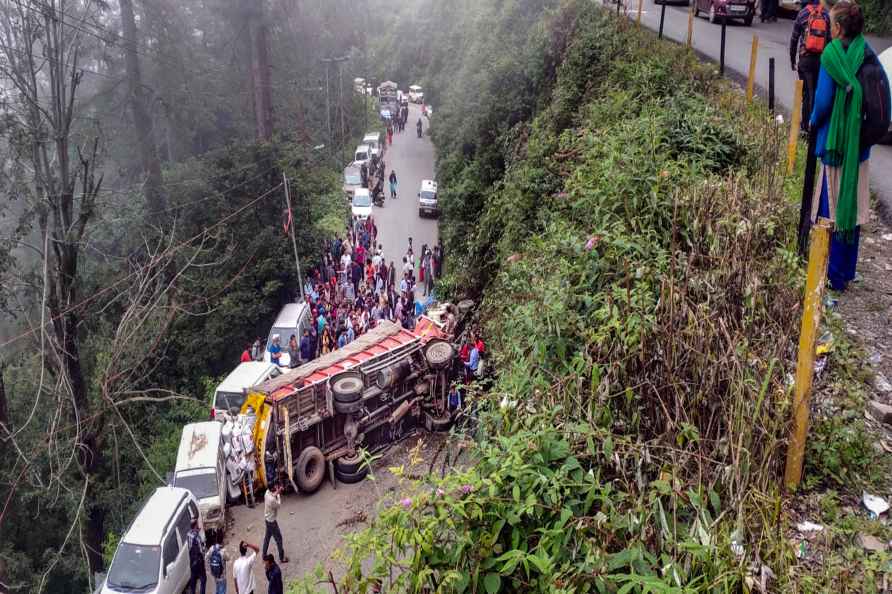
[(633, 246), (878, 16)]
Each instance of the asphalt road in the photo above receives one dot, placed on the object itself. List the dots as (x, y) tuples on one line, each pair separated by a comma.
[(774, 39), (413, 160)]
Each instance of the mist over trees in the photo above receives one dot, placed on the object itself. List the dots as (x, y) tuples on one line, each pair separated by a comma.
[(141, 169)]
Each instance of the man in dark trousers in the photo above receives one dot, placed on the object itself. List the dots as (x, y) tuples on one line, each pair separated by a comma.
[(769, 11), (273, 575), (811, 34), (197, 574)]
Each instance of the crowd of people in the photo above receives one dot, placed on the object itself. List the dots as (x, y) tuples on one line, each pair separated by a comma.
[(354, 288)]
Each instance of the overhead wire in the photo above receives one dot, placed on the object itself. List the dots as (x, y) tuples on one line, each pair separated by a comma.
[(174, 249)]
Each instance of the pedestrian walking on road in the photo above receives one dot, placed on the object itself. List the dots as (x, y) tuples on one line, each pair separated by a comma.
[(216, 558), (273, 576), (419, 128), (197, 573), (271, 503), (843, 110), (390, 134), (811, 34), (243, 568), (769, 11), (393, 183)]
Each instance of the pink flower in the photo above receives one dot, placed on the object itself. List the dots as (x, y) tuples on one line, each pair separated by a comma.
[(407, 503), (440, 492), (466, 489), (592, 242)]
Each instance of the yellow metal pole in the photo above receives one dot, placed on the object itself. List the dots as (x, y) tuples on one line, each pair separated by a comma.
[(691, 25), (638, 20), (818, 253), (751, 79), (794, 128)]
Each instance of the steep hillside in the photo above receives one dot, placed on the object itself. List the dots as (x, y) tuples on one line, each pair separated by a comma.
[(623, 216)]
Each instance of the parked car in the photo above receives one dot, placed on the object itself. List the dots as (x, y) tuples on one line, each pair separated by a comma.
[(886, 61), (373, 141), (416, 94), (427, 198), (790, 5), (361, 207), (230, 394), (352, 179), (201, 469), (368, 395), (362, 154), (293, 319), (718, 10), (153, 555)]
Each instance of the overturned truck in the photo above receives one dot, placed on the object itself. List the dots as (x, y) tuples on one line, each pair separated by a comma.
[(370, 394)]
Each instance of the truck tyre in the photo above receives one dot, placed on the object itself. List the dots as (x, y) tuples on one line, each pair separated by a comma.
[(350, 478), (438, 353), (347, 408), (347, 386), (350, 464), (309, 471), (438, 424)]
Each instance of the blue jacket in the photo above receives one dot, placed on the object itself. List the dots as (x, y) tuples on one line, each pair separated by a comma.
[(820, 115)]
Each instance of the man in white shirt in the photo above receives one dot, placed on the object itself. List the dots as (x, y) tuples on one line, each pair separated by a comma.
[(243, 568), (346, 260), (271, 503)]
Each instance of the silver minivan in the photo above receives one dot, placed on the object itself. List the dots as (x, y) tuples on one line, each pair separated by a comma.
[(293, 319)]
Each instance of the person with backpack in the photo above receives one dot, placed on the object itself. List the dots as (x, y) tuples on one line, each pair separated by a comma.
[(196, 558), (217, 557), (851, 114), (811, 34)]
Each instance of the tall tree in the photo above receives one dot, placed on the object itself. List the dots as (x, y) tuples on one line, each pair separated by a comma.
[(260, 69), (139, 97), (42, 48)]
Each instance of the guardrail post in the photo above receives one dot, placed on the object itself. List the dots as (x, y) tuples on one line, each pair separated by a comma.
[(638, 18), (771, 85), (751, 80), (691, 25), (663, 18), (722, 49), (794, 128), (805, 364)]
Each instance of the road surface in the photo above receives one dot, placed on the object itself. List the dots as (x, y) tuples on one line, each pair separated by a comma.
[(313, 526), (413, 160), (774, 40)]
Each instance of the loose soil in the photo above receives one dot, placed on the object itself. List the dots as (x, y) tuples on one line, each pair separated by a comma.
[(313, 526)]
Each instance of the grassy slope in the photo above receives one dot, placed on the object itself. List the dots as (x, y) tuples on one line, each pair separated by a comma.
[(633, 246)]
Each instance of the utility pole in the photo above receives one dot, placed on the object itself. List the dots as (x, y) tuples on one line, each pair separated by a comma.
[(328, 61), (300, 280)]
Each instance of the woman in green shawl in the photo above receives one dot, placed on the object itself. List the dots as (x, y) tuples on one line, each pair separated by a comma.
[(844, 193)]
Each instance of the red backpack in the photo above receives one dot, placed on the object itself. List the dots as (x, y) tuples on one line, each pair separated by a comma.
[(817, 29)]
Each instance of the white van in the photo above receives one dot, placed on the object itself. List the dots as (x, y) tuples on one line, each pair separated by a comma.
[(362, 154), (293, 319), (201, 468), (153, 555), (427, 198), (416, 94), (373, 141), (230, 394)]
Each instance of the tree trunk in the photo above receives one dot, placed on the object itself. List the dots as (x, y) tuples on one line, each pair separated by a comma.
[(260, 74), (142, 118), (4, 407)]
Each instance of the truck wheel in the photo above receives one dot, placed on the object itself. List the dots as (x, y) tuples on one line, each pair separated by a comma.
[(438, 424), (309, 470), (347, 408), (347, 386), (350, 478), (350, 464), (438, 353)]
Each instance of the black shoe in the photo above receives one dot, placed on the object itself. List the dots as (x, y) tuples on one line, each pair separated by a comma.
[(283, 560)]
